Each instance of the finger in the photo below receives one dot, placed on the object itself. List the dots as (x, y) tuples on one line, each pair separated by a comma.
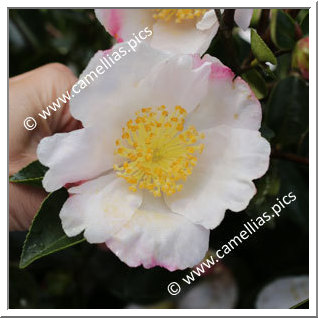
[(24, 202)]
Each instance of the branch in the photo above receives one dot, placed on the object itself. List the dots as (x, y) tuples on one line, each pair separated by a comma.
[(290, 157), (226, 22)]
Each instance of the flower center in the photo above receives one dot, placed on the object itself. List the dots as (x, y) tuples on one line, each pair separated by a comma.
[(159, 152), (179, 15)]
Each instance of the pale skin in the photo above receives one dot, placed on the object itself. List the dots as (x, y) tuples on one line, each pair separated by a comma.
[(29, 94)]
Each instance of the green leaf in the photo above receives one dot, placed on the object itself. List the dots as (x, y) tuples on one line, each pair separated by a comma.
[(287, 111), (302, 305), (46, 235), (256, 82), (266, 132), (255, 17), (301, 15), (31, 174), (294, 178), (260, 50), (305, 25), (282, 28), (267, 72)]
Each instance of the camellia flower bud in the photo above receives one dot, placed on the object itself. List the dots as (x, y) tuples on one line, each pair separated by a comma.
[(300, 57)]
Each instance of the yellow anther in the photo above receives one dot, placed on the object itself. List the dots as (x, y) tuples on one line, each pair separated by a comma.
[(133, 188), (159, 152), (165, 113), (178, 15)]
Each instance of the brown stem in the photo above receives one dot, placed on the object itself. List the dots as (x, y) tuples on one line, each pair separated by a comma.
[(290, 157), (226, 22), (263, 22)]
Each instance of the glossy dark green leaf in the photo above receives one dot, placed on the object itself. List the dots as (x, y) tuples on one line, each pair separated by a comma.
[(294, 179), (268, 188), (46, 235), (305, 25), (283, 65), (256, 82), (287, 110), (267, 132), (282, 28), (31, 174), (260, 50), (302, 305)]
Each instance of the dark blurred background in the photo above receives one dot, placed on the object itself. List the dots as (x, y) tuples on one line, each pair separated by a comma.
[(84, 276)]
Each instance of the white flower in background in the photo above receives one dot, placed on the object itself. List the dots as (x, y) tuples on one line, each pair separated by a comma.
[(284, 293), (217, 291), (169, 143), (175, 30)]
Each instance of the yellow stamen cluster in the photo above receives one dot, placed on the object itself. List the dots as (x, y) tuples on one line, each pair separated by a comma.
[(159, 152), (178, 15)]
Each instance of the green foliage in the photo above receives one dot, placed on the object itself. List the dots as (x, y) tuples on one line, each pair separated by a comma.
[(256, 82), (37, 37), (287, 110), (46, 235), (260, 50), (31, 174), (282, 29), (302, 305), (303, 20)]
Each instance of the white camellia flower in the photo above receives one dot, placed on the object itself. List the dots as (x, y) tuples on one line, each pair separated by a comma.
[(175, 30), (169, 143), (284, 292)]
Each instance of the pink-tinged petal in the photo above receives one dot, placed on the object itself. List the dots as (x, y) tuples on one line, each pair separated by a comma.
[(186, 39), (78, 155), (227, 102), (124, 24), (222, 179), (243, 17), (157, 237), (99, 207)]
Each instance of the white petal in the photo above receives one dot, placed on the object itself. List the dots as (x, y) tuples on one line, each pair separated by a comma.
[(284, 293), (243, 17), (157, 237), (177, 81), (208, 21), (122, 23), (218, 291), (227, 102), (102, 100), (78, 155), (222, 179), (100, 207), (186, 39)]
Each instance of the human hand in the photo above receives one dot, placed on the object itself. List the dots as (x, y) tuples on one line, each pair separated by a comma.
[(29, 94)]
